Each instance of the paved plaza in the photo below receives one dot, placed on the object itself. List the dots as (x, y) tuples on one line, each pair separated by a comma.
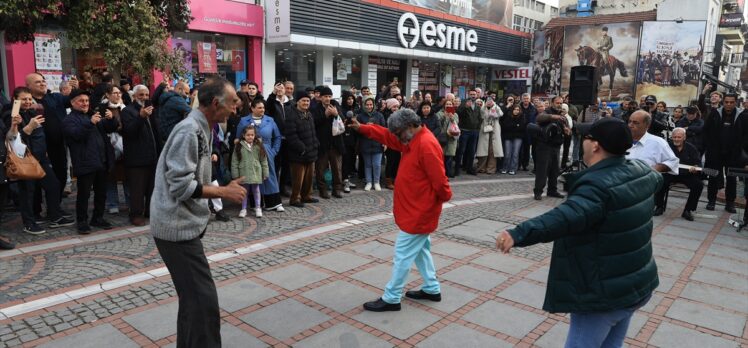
[(299, 278)]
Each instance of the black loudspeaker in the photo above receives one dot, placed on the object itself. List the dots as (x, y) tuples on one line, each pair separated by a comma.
[(582, 85)]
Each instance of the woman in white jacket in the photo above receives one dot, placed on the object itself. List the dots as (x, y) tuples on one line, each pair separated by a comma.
[(489, 139)]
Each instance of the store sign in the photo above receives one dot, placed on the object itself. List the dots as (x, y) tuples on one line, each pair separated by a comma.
[(513, 74), (207, 57), (227, 17), (729, 20), (278, 20), (433, 34)]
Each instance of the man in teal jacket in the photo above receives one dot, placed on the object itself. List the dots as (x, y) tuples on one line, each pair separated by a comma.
[(602, 269)]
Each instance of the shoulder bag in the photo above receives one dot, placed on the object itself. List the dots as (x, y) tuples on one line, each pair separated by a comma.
[(22, 168)]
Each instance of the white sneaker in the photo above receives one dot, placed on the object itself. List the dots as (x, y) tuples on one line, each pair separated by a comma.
[(243, 213), (367, 187), (351, 184), (113, 210), (280, 209), (346, 186), (258, 212), (377, 187)]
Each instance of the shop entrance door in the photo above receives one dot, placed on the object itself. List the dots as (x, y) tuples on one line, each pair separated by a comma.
[(389, 70)]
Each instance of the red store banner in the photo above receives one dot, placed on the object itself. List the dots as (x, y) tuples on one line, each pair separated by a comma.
[(207, 57)]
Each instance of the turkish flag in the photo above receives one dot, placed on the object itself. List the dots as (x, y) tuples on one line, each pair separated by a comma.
[(237, 60)]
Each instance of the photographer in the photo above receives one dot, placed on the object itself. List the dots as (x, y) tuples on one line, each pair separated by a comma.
[(660, 122), (553, 126)]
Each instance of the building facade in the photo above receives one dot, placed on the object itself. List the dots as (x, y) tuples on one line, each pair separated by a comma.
[(531, 15), (357, 43)]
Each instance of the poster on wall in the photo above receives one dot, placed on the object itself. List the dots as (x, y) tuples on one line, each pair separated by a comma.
[(184, 48), (47, 53), (611, 48), (547, 54), (494, 11), (206, 57), (670, 61), (53, 78)]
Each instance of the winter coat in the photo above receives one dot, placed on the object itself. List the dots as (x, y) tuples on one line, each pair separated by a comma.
[(90, 149), (451, 148), (366, 145), (719, 138), (301, 136), (36, 141), (432, 123), (483, 137), (602, 251), (513, 127), (470, 117), (252, 166), (323, 129), (3, 154), (55, 112), (172, 109), (277, 110), (140, 138), (693, 132), (271, 140)]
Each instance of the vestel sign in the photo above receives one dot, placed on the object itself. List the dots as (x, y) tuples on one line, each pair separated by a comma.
[(430, 33)]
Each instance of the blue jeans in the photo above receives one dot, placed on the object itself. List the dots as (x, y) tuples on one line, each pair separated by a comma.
[(112, 194), (466, 146), (410, 248), (511, 153), (577, 142), (449, 165), (601, 329), (372, 167)]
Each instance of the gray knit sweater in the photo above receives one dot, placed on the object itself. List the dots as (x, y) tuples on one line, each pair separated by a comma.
[(183, 165)]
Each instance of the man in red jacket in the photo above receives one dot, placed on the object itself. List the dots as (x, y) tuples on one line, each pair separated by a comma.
[(420, 190)]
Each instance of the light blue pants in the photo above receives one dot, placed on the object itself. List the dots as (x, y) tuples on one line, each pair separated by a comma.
[(410, 248), (373, 167)]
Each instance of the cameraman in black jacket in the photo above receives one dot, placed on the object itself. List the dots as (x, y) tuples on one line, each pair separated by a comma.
[(552, 129), (660, 122)]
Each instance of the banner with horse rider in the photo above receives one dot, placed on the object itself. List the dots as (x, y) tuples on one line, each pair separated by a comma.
[(547, 54), (670, 61), (611, 48)]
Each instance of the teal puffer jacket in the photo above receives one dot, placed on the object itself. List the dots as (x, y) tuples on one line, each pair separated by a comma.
[(602, 255)]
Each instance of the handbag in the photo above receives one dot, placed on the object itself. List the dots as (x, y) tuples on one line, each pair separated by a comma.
[(22, 168), (487, 128), (453, 129)]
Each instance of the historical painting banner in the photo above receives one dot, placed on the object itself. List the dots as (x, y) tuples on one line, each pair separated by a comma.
[(547, 53), (670, 61), (611, 48)]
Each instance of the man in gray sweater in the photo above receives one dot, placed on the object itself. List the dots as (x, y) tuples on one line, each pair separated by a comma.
[(179, 213)]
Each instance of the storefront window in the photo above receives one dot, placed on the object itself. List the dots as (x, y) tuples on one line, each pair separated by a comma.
[(388, 70), (208, 55), (347, 71), (296, 65), (463, 79), (428, 78)]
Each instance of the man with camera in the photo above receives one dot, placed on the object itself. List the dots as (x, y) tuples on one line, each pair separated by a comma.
[(553, 126), (659, 120)]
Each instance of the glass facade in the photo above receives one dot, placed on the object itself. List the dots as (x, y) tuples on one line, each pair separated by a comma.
[(222, 55), (298, 65), (347, 70)]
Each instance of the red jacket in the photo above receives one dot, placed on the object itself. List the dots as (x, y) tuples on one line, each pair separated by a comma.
[(421, 185)]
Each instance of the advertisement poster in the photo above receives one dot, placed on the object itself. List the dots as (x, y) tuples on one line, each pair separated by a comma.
[(670, 61), (547, 54), (206, 57), (237, 60), (184, 47), (493, 11), (53, 78), (47, 53), (611, 48)]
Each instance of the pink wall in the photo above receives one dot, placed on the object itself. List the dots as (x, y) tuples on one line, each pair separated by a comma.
[(20, 62)]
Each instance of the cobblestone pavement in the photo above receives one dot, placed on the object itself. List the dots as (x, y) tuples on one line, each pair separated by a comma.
[(299, 279)]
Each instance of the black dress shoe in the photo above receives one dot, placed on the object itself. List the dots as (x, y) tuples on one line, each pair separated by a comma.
[(83, 228), (324, 195), (221, 216), (101, 223), (710, 206), (6, 243), (538, 197), (555, 195), (380, 306), (311, 200), (297, 204), (285, 193), (421, 295), (337, 195), (730, 208), (659, 211), (687, 215)]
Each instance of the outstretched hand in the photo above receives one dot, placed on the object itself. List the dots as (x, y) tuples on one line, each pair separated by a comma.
[(234, 191), (504, 242), (354, 124)]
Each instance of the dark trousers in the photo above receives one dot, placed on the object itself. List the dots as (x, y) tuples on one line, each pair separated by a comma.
[(565, 154), (140, 182), (331, 159), (4, 188), (449, 166), (465, 156), (58, 157), (694, 184), (349, 160), (528, 147), (546, 167), (25, 200), (52, 192), (283, 167), (393, 163), (198, 320), (301, 181), (717, 182), (96, 181)]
